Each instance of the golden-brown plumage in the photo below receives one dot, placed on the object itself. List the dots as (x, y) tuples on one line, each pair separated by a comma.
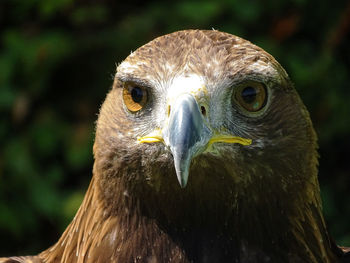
[(253, 203)]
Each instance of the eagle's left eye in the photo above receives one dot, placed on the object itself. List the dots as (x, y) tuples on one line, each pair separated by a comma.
[(251, 96), (135, 97)]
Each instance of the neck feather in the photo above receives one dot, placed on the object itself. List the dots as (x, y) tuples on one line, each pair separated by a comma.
[(127, 226)]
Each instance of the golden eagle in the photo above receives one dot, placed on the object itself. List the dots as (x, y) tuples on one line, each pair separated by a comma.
[(221, 116)]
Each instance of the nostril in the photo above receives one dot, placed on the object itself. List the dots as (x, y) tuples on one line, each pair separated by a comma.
[(169, 109), (203, 110)]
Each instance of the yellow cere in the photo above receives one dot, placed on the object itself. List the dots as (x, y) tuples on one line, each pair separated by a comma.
[(149, 139), (229, 139), (155, 136)]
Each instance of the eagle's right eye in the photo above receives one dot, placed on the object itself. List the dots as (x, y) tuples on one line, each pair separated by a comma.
[(135, 97)]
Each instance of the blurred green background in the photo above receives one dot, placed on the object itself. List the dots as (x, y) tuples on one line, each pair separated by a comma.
[(57, 60)]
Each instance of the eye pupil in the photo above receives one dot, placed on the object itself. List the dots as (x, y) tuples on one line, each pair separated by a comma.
[(137, 94), (249, 94)]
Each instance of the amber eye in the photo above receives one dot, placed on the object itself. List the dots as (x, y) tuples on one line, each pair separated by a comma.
[(251, 96), (135, 97)]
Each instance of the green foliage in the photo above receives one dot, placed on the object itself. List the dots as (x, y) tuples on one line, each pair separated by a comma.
[(57, 60)]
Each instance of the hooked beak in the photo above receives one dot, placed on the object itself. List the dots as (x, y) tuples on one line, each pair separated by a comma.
[(187, 135)]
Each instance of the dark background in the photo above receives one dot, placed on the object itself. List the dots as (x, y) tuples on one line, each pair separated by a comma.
[(57, 60)]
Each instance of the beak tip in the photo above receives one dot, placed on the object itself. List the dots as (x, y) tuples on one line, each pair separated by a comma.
[(183, 183), (182, 178)]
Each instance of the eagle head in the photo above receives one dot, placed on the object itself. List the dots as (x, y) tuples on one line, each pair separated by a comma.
[(208, 107)]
